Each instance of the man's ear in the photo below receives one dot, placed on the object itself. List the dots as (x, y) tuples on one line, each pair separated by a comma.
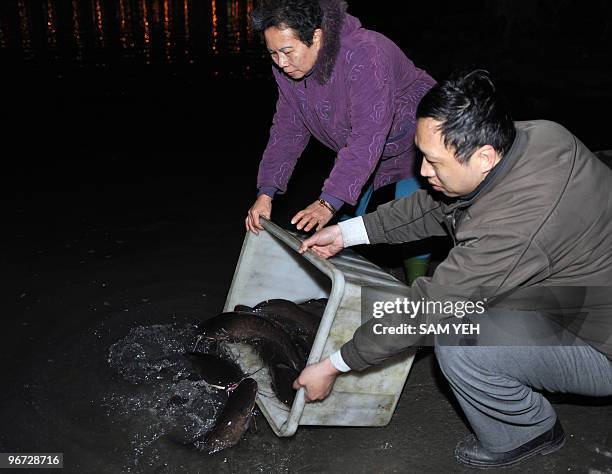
[(317, 37), (487, 158)]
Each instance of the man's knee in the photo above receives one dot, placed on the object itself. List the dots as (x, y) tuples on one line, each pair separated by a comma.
[(457, 361), (450, 358)]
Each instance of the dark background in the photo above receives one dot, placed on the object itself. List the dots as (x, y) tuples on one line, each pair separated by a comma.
[(97, 103)]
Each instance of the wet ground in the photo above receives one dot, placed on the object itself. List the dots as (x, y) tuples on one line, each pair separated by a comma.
[(82, 268)]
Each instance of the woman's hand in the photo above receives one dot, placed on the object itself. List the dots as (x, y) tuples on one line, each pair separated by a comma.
[(262, 207), (314, 215)]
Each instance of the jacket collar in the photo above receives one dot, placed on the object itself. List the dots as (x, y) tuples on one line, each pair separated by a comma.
[(496, 174), (333, 26)]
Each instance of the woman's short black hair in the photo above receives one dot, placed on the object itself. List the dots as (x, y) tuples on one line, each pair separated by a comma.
[(471, 114), (302, 16)]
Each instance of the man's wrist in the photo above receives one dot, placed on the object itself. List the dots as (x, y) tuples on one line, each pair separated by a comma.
[(338, 363), (353, 232)]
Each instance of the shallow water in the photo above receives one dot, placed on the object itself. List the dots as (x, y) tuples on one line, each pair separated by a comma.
[(183, 410), (148, 350), (161, 262)]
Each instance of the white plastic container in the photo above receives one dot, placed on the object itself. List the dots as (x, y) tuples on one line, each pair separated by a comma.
[(269, 267)]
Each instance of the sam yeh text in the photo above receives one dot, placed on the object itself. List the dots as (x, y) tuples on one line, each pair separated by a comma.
[(463, 329)]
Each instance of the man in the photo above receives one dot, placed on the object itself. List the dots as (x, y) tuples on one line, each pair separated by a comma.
[(529, 210)]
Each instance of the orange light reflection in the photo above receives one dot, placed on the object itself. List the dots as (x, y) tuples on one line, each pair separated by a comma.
[(186, 25), (146, 29), (51, 22), (76, 29), (24, 27), (167, 31), (123, 37), (249, 11), (233, 25), (215, 21), (99, 22), (156, 15)]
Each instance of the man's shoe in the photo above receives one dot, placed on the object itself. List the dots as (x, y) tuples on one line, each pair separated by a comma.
[(471, 453)]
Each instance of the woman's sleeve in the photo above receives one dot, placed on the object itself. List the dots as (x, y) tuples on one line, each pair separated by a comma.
[(288, 138)]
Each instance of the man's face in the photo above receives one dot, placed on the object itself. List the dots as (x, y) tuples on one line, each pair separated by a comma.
[(444, 173), (292, 56)]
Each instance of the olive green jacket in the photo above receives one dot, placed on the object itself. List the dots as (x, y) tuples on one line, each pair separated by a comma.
[(542, 217)]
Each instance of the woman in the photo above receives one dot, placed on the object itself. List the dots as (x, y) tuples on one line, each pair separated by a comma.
[(351, 88)]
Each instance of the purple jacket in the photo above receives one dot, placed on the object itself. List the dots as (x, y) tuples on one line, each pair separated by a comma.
[(360, 100)]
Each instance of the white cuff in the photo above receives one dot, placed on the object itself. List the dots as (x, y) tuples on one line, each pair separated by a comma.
[(338, 362), (353, 232)]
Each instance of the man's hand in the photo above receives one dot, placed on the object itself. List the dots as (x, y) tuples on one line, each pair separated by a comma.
[(325, 243), (317, 380), (315, 214), (262, 207)]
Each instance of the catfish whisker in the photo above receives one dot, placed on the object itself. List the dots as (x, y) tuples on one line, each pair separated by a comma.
[(197, 342), (253, 373)]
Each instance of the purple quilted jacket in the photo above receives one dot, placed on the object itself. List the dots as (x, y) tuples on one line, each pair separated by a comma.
[(360, 100)]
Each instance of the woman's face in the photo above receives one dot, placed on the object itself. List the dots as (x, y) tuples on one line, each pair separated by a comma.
[(292, 56)]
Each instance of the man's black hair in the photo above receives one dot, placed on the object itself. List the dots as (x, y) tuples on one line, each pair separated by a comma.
[(471, 114), (302, 16)]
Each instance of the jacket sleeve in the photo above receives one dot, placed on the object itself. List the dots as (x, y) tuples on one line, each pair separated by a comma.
[(480, 268), (288, 138), (370, 91), (410, 218)]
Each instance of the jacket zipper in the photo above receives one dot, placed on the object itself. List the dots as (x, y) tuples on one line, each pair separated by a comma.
[(452, 220)]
